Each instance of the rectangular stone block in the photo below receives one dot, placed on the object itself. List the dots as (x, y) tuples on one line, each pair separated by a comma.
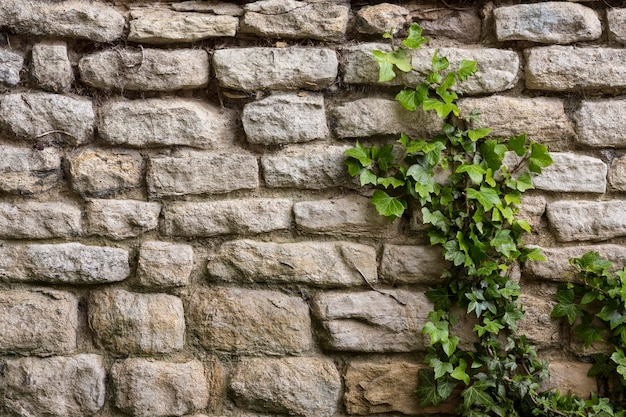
[(121, 219), (573, 173), (587, 220), (164, 265), (403, 264), (51, 67), (599, 123), (571, 376), (29, 171), (39, 220), (12, 65), (617, 173), (537, 324), (616, 19)]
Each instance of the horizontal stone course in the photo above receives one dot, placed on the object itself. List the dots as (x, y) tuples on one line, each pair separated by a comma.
[(32, 220), (573, 173), (587, 220), (121, 219), (29, 171)]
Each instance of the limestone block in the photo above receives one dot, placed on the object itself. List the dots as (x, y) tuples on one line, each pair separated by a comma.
[(216, 7), (196, 172), (39, 220), (538, 325), (164, 122), (51, 68), (460, 25), (617, 173), (616, 19), (121, 219), (587, 220), (532, 210), (571, 376), (47, 117), (297, 386), (599, 123), (573, 173), (129, 323), (10, 67), (252, 69), (327, 264), (38, 322), (164, 265), (351, 324), (146, 69), (29, 171), (248, 322), (381, 18), (296, 19), (403, 264), (61, 386), (286, 118), (149, 388)]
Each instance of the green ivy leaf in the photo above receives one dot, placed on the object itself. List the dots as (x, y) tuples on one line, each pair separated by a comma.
[(476, 134), (385, 67), (388, 206), (354, 166), (565, 306), (408, 99), (440, 368), (539, 157), (427, 388), (518, 144), (466, 69), (459, 372), (476, 395), (487, 197), (390, 182), (414, 39), (525, 182), (442, 109), (474, 171), (493, 153), (588, 333), (425, 183), (439, 63), (360, 153), (612, 316), (384, 157), (367, 177)]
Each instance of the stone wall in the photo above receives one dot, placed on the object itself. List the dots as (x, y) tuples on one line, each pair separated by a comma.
[(179, 235)]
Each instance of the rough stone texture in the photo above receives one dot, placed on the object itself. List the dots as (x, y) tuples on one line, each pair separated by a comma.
[(51, 67), (460, 25), (164, 26), (617, 174), (99, 172), (314, 167), (121, 219), (569, 68), (197, 172), (10, 67), (587, 220), (616, 19), (147, 388), (38, 322), (351, 324), (216, 7), (39, 220), (376, 116), (537, 324), (61, 386), (381, 18), (249, 321), (146, 69), (286, 118), (164, 265), (296, 19), (571, 376), (47, 117), (252, 69), (599, 123), (332, 264), (297, 386), (532, 210), (412, 264), (29, 171), (550, 22), (73, 19), (573, 173), (129, 323)]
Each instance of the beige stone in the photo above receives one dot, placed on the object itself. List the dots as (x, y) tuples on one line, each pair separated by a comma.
[(599, 123), (381, 18), (538, 325), (461, 25), (164, 264), (214, 6), (29, 171), (51, 67), (617, 173), (587, 220), (32, 220), (571, 376), (412, 264), (121, 219), (572, 172)]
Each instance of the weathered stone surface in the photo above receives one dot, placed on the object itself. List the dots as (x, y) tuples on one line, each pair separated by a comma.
[(51, 68), (381, 18), (249, 321), (148, 388), (39, 220), (252, 69), (99, 172), (616, 19), (351, 324), (121, 219), (327, 264), (29, 171), (460, 25), (247, 216), (569, 68), (47, 117), (314, 167), (146, 69), (10, 67), (129, 323), (587, 220), (195, 172), (599, 123), (412, 264), (538, 325), (498, 68), (164, 265), (377, 116), (286, 118), (532, 210), (164, 26), (95, 21), (573, 173), (38, 322), (571, 376), (297, 386), (550, 22), (61, 386), (215, 6), (164, 122), (617, 174), (296, 19)]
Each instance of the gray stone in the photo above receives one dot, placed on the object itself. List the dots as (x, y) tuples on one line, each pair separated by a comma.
[(38, 322), (351, 324), (460, 25), (616, 19), (599, 123), (532, 210), (549, 22), (164, 265), (570, 376), (212, 6), (537, 324), (587, 220), (129, 323), (412, 264), (10, 67), (99, 173), (617, 173), (286, 118), (29, 171), (146, 69), (121, 219), (573, 173), (61, 386), (195, 172), (95, 21), (248, 322), (47, 117), (164, 26), (39, 220), (296, 19), (51, 67), (148, 388), (297, 386), (252, 69), (165, 122), (325, 264), (377, 116), (238, 216), (381, 18)]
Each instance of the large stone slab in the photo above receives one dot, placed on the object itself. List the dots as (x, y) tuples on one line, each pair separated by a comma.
[(616, 19), (571, 376), (10, 67), (29, 171), (33, 220), (402, 264), (599, 123), (587, 220), (164, 264), (381, 18), (573, 173), (121, 219), (51, 67)]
